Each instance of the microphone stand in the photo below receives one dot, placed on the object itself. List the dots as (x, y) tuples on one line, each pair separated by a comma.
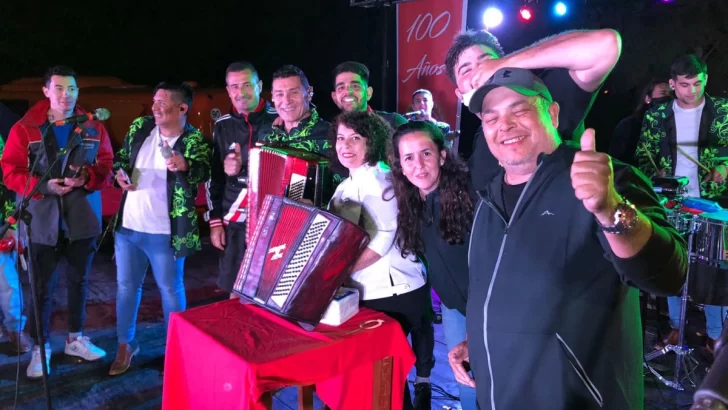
[(21, 214)]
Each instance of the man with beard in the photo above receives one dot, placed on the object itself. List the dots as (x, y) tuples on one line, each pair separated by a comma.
[(691, 127), (233, 136), (66, 210), (352, 91), (569, 67)]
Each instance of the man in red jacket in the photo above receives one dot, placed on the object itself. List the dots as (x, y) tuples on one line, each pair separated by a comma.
[(66, 211)]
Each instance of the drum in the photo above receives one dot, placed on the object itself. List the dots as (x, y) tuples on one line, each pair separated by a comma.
[(709, 273), (680, 220), (710, 239)]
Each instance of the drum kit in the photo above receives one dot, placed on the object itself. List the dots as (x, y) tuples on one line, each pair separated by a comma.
[(704, 225)]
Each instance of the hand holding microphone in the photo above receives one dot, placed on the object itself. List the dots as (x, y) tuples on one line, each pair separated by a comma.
[(176, 163), (233, 161)]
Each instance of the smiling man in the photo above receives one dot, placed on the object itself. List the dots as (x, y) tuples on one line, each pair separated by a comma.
[(566, 63), (232, 137), (301, 127), (155, 227), (353, 93), (573, 338)]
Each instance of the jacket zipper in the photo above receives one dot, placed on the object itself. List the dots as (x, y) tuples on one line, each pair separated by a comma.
[(495, 274), (582, 373)]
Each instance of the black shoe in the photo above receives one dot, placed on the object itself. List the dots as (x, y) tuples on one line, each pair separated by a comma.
[(423, 396)]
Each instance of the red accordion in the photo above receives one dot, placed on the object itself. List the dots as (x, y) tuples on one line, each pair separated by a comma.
[(286, 172), (299, 257)]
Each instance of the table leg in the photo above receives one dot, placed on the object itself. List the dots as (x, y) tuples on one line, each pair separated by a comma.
[(305, 397), (382, 382), (267, 400)]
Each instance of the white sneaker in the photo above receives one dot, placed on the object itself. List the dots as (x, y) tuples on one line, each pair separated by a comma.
[(83, 348), (35, 368)]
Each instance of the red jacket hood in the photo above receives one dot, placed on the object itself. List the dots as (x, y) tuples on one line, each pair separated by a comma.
[(37, 115)]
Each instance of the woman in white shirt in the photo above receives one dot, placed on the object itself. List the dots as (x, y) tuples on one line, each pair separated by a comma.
[(387, 282)]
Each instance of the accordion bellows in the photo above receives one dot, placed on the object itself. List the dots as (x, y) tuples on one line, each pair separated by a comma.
[(298, 258), (288, 172)]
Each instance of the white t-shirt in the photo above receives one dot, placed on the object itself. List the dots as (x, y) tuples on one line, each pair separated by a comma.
[(359, 200), (146, 209), (687, 126)]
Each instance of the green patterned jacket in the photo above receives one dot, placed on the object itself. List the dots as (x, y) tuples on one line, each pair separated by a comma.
[(658, 141), (7, 197), (310, 135), (180, 200)]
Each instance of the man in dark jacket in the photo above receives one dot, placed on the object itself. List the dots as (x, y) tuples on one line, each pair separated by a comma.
[(67, 208), (234, 134), (567, 64), (555, 323), (352, 91), (161, 162)]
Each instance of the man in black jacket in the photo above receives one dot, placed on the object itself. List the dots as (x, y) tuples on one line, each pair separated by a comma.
[(567, 64), (561, 239), (234, 134)]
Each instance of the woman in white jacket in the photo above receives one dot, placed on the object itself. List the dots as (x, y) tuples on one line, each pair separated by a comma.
[(386, 281)]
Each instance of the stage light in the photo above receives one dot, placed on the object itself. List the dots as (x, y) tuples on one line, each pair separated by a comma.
[(492, 17), (560, 8), (525, 13)]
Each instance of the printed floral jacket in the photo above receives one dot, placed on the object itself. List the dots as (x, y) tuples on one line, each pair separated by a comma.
[(658, 142), (180, 200)]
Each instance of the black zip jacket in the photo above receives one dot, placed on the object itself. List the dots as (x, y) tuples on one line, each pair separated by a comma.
[(448, 264), (553, 317), (224, 191)]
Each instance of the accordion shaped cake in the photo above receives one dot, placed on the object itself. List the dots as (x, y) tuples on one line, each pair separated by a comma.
[(297, 259)]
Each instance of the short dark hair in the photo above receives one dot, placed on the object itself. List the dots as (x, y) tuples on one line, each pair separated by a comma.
[(290, 70), (420, 91), (369, 125), (688, 65), (466, 40), (181, 91), (352, 67), (62, 70), (239, 66)]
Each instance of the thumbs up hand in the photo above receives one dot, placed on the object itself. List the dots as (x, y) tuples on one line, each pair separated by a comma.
[(593, 180), (233, 161)]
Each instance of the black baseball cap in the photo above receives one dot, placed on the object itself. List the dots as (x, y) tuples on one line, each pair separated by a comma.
[(520, 80)]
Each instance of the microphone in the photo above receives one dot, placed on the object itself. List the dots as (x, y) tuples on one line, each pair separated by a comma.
[(100, 114), (167, 153), (415, 113)]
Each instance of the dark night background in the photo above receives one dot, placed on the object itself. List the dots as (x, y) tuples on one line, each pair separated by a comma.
[(144, 42)]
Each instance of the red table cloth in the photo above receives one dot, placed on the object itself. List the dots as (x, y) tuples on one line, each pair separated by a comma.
[(227, 355)]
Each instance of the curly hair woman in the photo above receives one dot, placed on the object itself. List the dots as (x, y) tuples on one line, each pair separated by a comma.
[(435, 204), (387, 281)]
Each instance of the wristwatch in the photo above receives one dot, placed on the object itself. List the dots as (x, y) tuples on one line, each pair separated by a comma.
[(625, 219)]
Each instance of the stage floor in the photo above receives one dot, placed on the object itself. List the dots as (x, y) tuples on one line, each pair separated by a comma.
[(79, 385)]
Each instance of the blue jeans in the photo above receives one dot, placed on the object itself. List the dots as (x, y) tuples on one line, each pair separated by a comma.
[(453, 323), (714, 316), (11, 293), (135, 251)]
